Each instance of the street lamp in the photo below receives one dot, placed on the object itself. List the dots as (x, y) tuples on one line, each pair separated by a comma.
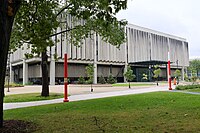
[(177, 69)]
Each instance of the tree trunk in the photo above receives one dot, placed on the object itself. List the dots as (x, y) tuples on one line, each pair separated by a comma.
[(45, 81), (8, 10), (129, 85)]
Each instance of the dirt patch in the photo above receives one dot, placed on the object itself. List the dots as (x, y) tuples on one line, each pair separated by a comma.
[(17, 126)]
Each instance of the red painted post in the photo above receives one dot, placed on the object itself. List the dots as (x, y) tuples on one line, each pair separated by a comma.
[(169, 73), (65, 79)]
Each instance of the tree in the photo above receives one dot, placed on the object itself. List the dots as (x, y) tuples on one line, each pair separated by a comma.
[(8, 9), (90, 74), (99, 16), (194, 67), (129, 75), (38, 24), (156, 72), (177, 74), (41, 17)]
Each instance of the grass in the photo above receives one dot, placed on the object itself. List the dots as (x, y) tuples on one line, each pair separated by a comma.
[(152, 112), (194, 90), (190, 88), (30, 97), (132, 84)]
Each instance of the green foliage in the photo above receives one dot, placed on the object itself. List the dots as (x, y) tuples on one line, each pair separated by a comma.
[(13, 85), (145, 77), (90, 73), (129, 74), (81, 80), (187, 87), (194, 66), (186, 77), (29, 83), (194, 79), (100, 17), (111, 79), (34, 23), (177, 73), (102, 80), (156, 72), (30, 97)]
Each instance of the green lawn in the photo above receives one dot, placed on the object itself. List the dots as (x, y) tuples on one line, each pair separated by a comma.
[(132, 84), (194, 90), (30, 97), (152, 112)]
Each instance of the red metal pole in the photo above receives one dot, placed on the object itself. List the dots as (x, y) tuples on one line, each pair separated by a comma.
[(169, 73), (65, 79)]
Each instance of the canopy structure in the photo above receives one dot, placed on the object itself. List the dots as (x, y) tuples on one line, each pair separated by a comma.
[(150, 62)]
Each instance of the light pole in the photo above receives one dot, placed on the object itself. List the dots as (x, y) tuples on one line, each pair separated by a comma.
[(169, 73), (177, 69), (65, 79)]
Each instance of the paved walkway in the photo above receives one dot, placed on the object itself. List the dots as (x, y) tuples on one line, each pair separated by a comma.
[(194, 93), (120, 91)]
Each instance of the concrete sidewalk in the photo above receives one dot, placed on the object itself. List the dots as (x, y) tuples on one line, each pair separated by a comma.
[(88, 96)]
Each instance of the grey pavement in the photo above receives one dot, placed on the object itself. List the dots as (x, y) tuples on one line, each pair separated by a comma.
[(79, 97)]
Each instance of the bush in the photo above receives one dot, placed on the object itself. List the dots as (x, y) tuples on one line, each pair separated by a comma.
[(81, 80), (111, 79), (102, 80), (13, 85), (89, 81), (186, 87)]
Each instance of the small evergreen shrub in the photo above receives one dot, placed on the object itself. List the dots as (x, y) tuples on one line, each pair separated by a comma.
[(81, 80), (89, 81), (111, 80), (102, 80)]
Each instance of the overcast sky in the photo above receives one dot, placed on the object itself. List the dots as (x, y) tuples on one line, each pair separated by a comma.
[(177, 17)]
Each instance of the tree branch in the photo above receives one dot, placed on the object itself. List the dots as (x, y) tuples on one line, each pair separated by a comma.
[(61, 32), (63, 9)]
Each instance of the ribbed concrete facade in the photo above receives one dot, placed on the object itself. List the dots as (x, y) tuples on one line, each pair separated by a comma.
[(142, 45)]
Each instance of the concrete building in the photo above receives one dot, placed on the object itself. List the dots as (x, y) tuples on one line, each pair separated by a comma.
[(144, 49)]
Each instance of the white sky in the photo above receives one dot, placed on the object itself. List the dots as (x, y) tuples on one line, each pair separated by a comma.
[(177, 17)]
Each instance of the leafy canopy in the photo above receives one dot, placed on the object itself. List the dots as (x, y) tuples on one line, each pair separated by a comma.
[(156, 72), (129, 74), (34, 23), (37, 20)]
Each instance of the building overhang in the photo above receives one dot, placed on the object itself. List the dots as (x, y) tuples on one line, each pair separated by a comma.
[(150, 62)]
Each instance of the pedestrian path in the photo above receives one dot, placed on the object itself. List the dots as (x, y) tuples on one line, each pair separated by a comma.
[(86, 97), (194, 93)]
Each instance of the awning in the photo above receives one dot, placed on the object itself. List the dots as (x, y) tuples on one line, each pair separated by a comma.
[(150, 62)]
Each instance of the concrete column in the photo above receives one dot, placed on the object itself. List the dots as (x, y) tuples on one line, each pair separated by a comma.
[(11, 74), (52, 67), (95, 58), (25, 72), (183, 73), (126, 54), (125, 69)]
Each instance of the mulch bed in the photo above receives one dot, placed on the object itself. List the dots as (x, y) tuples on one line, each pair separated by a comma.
[(17, 126)]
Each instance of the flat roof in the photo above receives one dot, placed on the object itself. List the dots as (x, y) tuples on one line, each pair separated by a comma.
[(155, 32)]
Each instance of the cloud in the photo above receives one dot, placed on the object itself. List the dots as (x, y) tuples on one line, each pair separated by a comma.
[(176, 17)]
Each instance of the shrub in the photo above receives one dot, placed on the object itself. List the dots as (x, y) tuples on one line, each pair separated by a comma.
[(102, 80), (186, 87), (13, 85), (81, 80), (111, 79), (89, 81), (186, 77)]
